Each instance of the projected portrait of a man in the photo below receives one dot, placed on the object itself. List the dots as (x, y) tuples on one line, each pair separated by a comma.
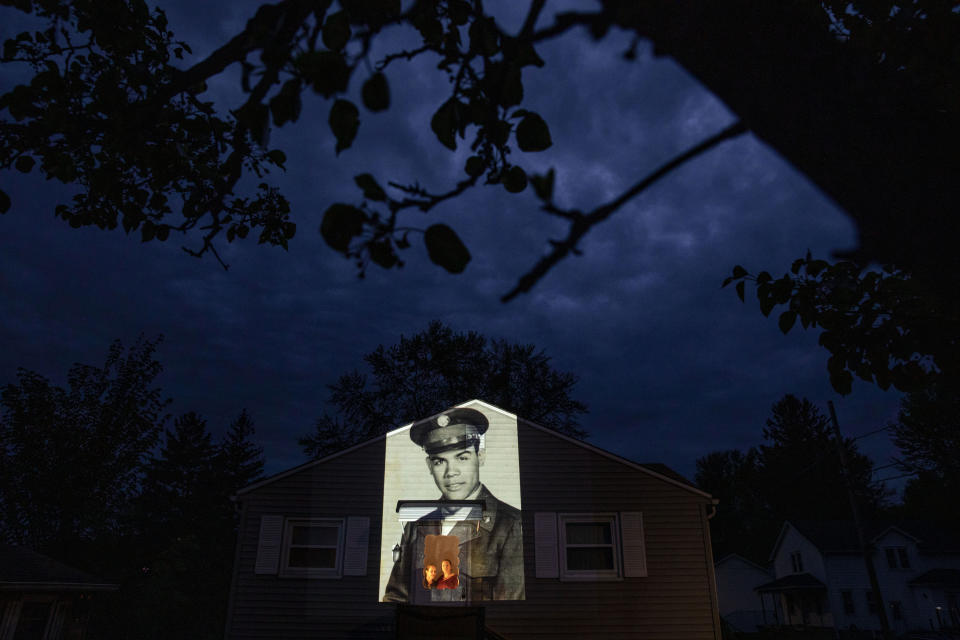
[(481, 557)]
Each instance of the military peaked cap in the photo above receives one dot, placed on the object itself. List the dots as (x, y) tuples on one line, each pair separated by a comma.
[(453, 429)]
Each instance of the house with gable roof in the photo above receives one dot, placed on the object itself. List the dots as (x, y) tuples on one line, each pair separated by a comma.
[(604, 547), (740, 606), (42, 598), (821, 579)]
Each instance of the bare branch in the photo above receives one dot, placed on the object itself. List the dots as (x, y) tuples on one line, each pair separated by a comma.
[(293, 13), (535, 8), (581, 224), (427, 200), (408, 55)]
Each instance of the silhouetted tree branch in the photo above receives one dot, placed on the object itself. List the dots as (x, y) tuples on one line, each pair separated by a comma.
[(581, 223)]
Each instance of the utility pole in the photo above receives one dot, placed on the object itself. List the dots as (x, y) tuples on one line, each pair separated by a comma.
[(861, 538)]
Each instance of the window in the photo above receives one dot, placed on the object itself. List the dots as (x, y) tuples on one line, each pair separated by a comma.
[(589, 547), (871, 602), (896, 610), (904, 560), (796, 560), (848, 606), (312, 547), (897, 558)]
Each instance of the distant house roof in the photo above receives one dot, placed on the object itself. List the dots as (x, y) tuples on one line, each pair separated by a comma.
[(938, 578), (24, 569), (792, 582), (657, 469), (840, 536), (736, 557)]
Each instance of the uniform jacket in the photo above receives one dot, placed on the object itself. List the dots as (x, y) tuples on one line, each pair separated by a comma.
[(490, 557)]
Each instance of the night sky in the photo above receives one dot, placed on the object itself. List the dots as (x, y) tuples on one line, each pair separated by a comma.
[(670, 365)]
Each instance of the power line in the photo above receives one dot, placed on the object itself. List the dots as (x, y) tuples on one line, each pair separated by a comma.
[(870, 433), (861, 537), (903, 475), (887, 466)]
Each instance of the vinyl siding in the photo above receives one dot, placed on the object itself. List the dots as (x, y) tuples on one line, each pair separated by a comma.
[(267, 606), (673, 601), (676, 599)]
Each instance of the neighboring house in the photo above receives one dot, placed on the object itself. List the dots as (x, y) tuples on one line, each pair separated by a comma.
[(740, 605), (609, 548), (42, 599), (821, 578)]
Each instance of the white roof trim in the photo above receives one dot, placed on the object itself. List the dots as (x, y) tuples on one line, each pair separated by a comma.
[(737, 556), (305, 465), (485, 405), (894, 527), (782, 535), (616, 458)]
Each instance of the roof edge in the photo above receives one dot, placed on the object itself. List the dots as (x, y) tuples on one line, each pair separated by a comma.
[(309, 463), (731, 556), (580, 443), (898, 529), (783, 531), (306, 465), (780, 536), (57, 586), (616, 458)]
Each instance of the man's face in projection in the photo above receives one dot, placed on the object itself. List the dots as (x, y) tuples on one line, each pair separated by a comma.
[(456, 472)]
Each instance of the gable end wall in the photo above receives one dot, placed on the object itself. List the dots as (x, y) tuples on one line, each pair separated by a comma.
[(677, 599), (267, 606)]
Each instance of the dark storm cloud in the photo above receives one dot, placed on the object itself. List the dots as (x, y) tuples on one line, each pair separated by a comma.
[(671, 366)]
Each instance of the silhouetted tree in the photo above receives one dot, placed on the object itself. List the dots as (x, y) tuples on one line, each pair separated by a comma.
[(436, 369), (887, 326), (742, 524), (71, 458), (81, 479), (801, 465), (239, 460), (858, 96), (794, 474), (855, 97), (927, 432), (178, 583), (181, 485)]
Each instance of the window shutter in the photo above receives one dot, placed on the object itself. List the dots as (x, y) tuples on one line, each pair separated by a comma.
[(634, 549), (545, 545), (268, 546), (55, 623), (356, 547), (9, 618)]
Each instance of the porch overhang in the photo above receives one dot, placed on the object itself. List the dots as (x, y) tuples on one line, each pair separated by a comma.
[(794, 582)]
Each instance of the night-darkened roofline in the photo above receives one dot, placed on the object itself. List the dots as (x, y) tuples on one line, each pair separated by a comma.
[(612, 456), (57, 586)]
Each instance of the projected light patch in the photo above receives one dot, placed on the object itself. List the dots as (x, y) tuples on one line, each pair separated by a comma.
[(451, 514)]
